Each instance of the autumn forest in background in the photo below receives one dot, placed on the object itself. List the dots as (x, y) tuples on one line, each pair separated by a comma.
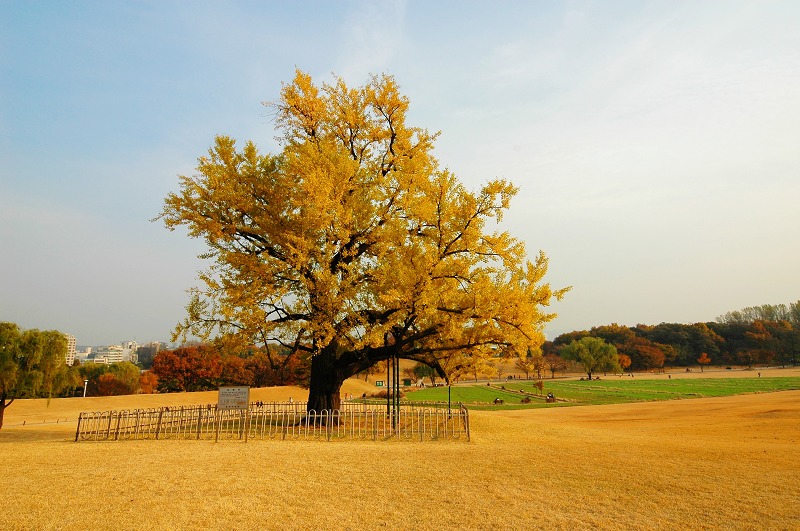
[(756, 336)]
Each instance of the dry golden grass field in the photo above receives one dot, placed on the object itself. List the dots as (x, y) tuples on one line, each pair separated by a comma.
[(716, 463)]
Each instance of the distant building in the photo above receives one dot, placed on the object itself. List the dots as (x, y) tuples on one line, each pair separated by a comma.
[(107, 355), (146, 353), (114, 353), (130, 345), (131, 349), (82, 355), (71, 343)]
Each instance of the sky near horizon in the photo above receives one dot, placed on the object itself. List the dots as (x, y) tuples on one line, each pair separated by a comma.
[(656, 145)]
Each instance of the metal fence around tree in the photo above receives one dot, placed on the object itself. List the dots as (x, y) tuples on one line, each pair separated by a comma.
[(279, 421)]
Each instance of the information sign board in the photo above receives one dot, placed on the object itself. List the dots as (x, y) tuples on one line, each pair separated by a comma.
[(233, 398)]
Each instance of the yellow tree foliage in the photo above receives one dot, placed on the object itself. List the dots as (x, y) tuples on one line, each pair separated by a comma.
[(351, 245), (533, 362)]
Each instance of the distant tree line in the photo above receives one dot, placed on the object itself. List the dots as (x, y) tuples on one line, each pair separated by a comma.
[(767, 312), (757, 335), (33, 365), (208, 366), (33, 362)]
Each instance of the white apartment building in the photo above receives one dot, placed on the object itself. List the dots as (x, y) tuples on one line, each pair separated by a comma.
[(71, 344), (109, 354)]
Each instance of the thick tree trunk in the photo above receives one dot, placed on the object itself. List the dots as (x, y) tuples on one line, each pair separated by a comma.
[(329, 370), (326, 382)]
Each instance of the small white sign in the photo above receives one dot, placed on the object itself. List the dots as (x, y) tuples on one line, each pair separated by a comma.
[(233, 398)]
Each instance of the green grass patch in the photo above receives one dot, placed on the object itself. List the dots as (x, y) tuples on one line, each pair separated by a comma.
[(476, 396), (612, 390)]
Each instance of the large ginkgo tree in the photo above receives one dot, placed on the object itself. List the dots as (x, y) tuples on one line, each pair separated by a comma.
[(351, 245)]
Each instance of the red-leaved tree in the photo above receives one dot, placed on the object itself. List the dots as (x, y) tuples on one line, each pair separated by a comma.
[(703, 360), (195, 368), (109, 385), (148, 382)]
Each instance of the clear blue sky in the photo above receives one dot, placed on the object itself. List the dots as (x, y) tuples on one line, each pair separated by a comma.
[(656, 145)]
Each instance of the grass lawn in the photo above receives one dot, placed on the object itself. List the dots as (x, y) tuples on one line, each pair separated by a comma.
[(612, 390), (727, 462)]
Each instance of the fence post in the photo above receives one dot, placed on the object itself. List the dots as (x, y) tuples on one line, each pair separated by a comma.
[(116, 430), (199, 421), (465, 412), (328, 424), (158, 423), (78, 429)]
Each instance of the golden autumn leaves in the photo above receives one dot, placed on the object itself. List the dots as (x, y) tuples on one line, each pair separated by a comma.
[(351, 242)]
